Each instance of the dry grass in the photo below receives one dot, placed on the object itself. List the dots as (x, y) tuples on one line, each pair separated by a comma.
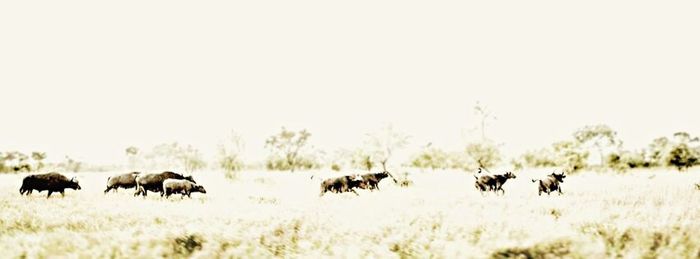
[(641, 214)]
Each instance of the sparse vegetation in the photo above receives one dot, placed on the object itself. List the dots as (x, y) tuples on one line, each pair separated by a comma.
[(281, 215), (288, 151)]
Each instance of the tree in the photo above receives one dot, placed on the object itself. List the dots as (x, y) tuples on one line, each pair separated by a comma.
[(230, 153), (623, 160), (599, 136), (570, 155), (431, 157), (484, 115), (39, 157), (362, 159), (191, 159), (384, 143), (164, 156), (71, 164), (287, 145), (658, 150), (681, 155), (484, 154)]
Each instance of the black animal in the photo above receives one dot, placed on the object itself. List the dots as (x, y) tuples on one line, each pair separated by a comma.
[(371, 181), (342, 184), (125, 181), (492, 182), (550, 183), (184, 187), (484, 183), (52, 182), (154, 182)]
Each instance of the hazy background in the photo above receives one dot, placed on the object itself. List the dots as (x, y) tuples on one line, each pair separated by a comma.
[(89, 78)]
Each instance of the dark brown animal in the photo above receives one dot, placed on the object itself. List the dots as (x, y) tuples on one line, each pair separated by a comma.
[(125, 181), (492, 182), (342, 184), (184, 187), (484, 183), (550, 183), (154, 182), (52, 182), (371, 181)]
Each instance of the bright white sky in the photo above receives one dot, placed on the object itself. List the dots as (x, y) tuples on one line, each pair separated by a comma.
[(89, 78)]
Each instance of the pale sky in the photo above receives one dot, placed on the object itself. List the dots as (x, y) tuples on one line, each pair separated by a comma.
[(89, 78)]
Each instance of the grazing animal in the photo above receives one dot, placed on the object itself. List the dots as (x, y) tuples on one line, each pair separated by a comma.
[(492, 182), (154, 182), (697, 186), (342, 184), (125, 181), (184, 187), (371, 181), (52, 182), (550, 183)]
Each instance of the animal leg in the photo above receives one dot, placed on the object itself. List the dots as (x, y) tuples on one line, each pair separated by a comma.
[(47, 196), (560, 193), (63, 194), (353, 191)]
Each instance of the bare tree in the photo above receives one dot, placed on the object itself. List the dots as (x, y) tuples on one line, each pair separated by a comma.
[(288, 144), (385, 142), (484, 115), (230, 153)]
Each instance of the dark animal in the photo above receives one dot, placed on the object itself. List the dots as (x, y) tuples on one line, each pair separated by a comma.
[(342, 184), (492, 182), (154, 182), (125, 181), (52, 182), (371, 181), (184, 187), (550, 183), (484, 183)]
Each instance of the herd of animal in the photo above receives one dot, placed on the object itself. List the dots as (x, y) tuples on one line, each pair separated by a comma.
[(168, 183)]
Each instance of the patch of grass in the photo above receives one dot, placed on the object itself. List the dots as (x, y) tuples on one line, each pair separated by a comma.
[(187, 244), (555, 249)]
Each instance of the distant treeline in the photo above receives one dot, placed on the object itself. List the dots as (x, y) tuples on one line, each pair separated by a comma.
[(290, 150)]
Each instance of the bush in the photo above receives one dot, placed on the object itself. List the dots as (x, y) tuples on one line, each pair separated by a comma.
[(484, 154), (682, 157), (624, 160), (432, 158), (570, 156)]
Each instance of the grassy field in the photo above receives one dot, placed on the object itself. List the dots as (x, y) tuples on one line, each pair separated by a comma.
[(636, 215)]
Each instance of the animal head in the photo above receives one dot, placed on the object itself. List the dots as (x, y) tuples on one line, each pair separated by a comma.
[(199, 188), (73, 184), (509, 175), (558, 177), (386, 174)]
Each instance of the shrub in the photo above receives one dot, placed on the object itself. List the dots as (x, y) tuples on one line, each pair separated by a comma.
[(483, 154)]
